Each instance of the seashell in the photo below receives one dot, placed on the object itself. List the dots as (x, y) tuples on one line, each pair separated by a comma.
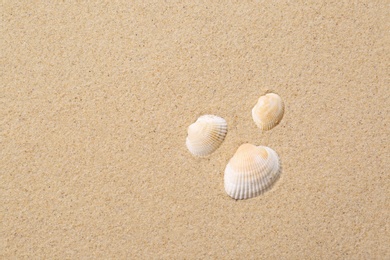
[(268, 111), (251, 171), (206, 135)]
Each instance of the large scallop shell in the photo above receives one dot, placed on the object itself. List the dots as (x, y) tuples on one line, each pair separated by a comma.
[(251, 171), (206, 135), (268, 111)]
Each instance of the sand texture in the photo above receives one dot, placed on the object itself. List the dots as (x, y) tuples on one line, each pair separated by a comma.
[(95, 102)]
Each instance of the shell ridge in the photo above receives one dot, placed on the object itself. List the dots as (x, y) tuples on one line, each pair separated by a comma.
[(250, 172), (206, 134), (268, 111)]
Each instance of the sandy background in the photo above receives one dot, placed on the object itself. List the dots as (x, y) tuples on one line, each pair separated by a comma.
[(96, 99)]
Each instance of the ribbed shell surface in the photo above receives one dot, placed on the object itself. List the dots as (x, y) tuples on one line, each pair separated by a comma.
[(268, 111), (251, 171), (206, 135)]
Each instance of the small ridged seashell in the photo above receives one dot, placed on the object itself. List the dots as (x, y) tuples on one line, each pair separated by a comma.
[(206, 135), (251, 171), (268, 111)]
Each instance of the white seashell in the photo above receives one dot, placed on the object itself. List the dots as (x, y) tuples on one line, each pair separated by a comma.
[(206, 135), (268, 111), (251, 171)]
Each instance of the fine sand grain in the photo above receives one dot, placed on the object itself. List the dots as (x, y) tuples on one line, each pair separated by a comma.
[(96, 99)]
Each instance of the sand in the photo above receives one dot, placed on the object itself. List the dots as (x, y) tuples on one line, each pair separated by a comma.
[(96, 99)]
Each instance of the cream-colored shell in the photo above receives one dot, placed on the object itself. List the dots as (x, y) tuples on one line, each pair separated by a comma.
[(206, 135), (251, 171), (268, 111)]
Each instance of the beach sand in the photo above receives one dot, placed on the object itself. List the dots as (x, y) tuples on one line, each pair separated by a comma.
[(95, 103)]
